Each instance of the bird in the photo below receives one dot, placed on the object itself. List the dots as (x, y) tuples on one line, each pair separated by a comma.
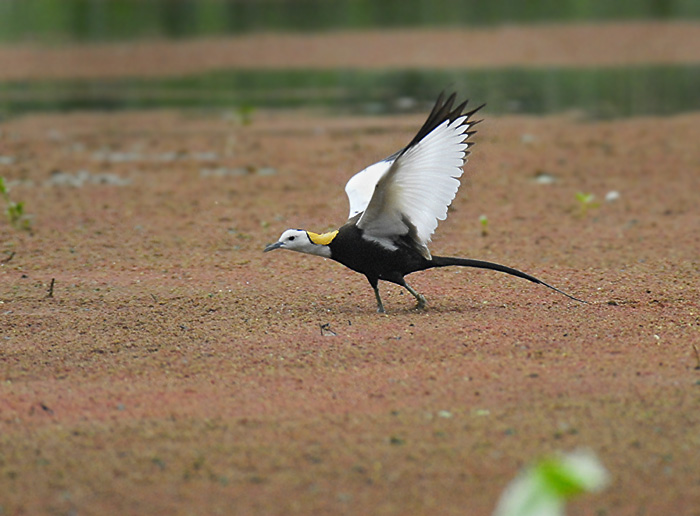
[(395, 206)]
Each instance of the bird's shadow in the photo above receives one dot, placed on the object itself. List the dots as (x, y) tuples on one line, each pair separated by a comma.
[(442, 307), (360, 310)]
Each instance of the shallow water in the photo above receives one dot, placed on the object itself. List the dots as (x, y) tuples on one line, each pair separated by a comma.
[(597, 93)]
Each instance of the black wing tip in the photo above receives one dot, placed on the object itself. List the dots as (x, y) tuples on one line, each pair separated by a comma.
[(447, 112), (471, 113), (443, 110)]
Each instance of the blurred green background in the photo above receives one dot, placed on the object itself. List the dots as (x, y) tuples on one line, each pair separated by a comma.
[(108, 20), (599, 92)]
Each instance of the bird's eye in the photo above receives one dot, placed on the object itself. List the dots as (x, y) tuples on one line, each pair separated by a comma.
[(291, 238)]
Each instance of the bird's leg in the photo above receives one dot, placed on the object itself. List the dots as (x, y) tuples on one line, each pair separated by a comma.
[(421, 302), (380, 306), (375, 286)]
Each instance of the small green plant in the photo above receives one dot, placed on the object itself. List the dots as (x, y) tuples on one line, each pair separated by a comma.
[(14, 210), (244, 113), (543, 489), (586, 201), (484, 222)]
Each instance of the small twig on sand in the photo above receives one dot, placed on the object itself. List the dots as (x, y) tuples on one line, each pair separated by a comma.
[(53, 281), (326, 330), (10, 255)]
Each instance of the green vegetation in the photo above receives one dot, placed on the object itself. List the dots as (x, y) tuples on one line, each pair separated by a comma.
[(244, 114), (585, 201), (484, 222), (14, 210), (543, 489), (109, 20)]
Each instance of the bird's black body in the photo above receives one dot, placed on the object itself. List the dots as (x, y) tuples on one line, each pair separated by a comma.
[(376, 262)]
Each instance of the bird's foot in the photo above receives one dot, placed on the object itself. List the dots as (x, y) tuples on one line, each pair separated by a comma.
[(421, 302)]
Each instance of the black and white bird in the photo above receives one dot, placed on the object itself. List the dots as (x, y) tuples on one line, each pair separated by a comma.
[(395, 206)]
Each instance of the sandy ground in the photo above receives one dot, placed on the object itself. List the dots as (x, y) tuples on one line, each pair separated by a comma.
[(610, 44), (177, 370)]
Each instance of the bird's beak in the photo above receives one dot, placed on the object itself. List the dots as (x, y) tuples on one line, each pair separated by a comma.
[(272, 247)]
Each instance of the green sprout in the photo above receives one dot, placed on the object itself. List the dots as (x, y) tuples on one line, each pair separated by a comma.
[(484, 221), (14, 210), (244, 113), (543, 489), (585, 202)]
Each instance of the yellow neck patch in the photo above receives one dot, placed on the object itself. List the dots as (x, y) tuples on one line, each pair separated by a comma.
[(324, 239)]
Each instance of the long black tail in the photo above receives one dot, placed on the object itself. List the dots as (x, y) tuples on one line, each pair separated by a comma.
[(445, 261)]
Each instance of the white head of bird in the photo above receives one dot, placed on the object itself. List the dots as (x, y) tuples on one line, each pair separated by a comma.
[(304, 242)]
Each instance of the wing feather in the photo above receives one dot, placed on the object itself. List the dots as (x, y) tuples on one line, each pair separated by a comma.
[(361, 186), (414, 191)]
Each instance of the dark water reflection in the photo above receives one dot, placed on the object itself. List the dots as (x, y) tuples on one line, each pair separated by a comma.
[(598, 93)]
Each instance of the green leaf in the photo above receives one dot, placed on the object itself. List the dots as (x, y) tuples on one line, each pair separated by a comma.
[(543, 489), (585, 198)]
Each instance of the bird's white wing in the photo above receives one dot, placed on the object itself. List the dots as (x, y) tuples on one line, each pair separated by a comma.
[(361, 186), (413, 195)]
